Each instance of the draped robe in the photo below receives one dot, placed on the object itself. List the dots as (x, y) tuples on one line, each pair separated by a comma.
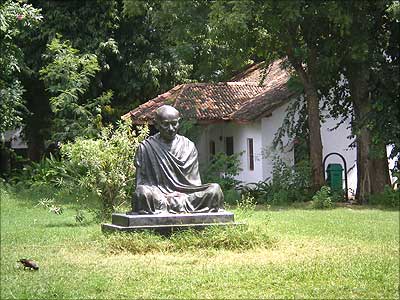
[(168, 179)]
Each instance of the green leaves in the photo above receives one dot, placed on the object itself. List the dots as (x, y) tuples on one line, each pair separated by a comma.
[(68, 76), (105, 165), (15, 18), (68, 71)]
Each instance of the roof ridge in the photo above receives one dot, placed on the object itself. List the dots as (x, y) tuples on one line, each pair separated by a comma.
[(250, 68), (239, 83), (179, 93)]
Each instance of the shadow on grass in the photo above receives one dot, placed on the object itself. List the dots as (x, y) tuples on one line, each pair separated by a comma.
[(69, 224)]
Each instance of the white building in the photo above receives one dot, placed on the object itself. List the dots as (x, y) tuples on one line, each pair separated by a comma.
[(242, 116)]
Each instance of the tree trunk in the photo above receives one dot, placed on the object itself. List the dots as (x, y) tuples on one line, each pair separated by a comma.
[(372, 170), (37, 129), (363, 166), (358, 83), (36, 148), (314, 125), (379, 167), (315, 138)]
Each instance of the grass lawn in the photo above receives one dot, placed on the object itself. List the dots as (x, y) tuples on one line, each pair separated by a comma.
[(340, 253)]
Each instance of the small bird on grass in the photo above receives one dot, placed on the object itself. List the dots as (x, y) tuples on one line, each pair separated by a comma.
[(29, 263)]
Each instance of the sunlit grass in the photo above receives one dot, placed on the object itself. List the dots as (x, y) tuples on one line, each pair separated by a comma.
[(341, 253)]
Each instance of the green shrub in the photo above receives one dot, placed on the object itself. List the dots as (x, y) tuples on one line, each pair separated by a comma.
[(222, 169), (322, 199), (288, 184), (47, 171), (105, 165), (389, 198), (102, 166), (231, 196), (257, 190)]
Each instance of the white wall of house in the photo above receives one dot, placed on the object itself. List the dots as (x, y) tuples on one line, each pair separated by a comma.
[(241, 133), (338, 140), (15, 137), (269, 127), (334, 139)]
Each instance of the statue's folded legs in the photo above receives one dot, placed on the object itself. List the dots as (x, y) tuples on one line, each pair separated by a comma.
[(150, 200)]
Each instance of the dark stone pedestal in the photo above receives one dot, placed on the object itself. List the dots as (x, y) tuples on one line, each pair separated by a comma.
[(167, 223)]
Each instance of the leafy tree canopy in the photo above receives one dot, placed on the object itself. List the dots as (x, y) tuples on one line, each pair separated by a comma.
[(15, 18)]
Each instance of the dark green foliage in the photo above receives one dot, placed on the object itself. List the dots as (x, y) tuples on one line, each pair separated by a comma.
[(258, 190), (47, 171), (132, 65), (222, 169), (15, 20), (390, 198), (190, 129), (231, 196), (294, 131), (322, 199), (288, 184), (67, 77)]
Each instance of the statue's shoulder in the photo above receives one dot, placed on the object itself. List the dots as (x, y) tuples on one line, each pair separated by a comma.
[(147, 142), (183, 140)]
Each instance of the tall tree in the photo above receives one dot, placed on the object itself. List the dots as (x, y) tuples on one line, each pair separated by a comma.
[(295, 31), (322, 41), (89, 26), (365, 46), (133, 63)]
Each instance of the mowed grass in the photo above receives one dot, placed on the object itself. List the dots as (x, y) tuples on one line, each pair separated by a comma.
[(341, 253)]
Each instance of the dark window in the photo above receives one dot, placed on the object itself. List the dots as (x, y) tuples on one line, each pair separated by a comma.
[(229, 145), (212, 149), (250, 153)]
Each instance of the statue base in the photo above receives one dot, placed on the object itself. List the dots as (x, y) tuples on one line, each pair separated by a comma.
[(168, 223)]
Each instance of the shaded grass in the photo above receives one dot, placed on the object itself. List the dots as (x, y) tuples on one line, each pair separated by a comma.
[(213, 238), (341, 253)]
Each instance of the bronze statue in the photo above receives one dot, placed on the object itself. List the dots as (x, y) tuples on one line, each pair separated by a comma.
[(167, 172)]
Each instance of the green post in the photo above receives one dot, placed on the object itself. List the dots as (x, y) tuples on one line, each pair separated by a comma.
[(335, 177)]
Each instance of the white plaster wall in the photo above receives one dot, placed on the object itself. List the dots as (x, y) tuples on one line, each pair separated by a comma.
[(337, 140), (15, 136), (202, 145), (240, 133), (333, 140), (270, 126)]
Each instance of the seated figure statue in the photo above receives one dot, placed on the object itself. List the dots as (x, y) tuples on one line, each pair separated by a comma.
[(167, 172)]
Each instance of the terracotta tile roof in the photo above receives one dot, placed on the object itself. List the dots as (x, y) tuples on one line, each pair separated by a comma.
[(251, 94), (276, 92), (201, 101)]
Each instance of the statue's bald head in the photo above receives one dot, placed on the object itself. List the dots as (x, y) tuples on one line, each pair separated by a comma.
[(167, 122), (166, 112)]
